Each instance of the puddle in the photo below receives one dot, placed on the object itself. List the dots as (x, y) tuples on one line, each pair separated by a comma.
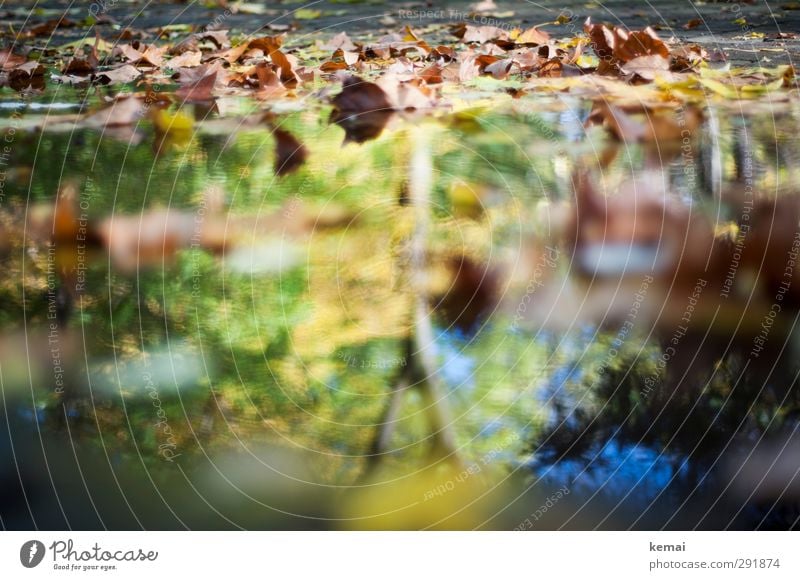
[(602, 346)]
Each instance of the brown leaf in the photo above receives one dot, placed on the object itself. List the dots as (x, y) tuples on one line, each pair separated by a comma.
[(647, 67), (406, 95), (432, 75), (552, 68), (233, 54), (79, 66), (185, 59), (480, 34), (122, 74), (287, 75), (188, 45), (533, 36), (9, 60), (362, 109), (500, 68), (218, 37), (602, 37), (444, 52), (138, 53), (50, 26), (332, 66), (340, 41), (693, 23), (29, 74), (200, 90), (268, 44), (641, 43), (469, 68), (189, 75), (290, 154), (269, 85)]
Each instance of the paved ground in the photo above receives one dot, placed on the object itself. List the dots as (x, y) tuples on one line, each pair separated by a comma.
[(746, 31)]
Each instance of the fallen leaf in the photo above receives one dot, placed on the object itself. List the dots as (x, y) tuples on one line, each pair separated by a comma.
[(50, 26), (218, 37), (693, 23), (641, 43), (268, 44), (122, 74), (340, 41), (533, 36), (500, 68), (79, 66), (287, 75), (480, 34), (178, 122), (647, 67), (269, 85), (198, 91), (138, 53), (603, 40), (9, 60), (432, 74), (362, 109), (186, 59), (189, 75), (29, 74)]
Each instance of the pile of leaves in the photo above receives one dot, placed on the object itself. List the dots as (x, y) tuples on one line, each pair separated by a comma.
[(397, 73)]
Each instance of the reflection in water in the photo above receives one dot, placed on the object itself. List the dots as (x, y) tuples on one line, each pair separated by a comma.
[(687, 416), (607, 318)]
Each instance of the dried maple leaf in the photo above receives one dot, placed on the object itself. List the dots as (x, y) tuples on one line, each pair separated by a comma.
[(603, 40), (286, 75), (142, 54), (641, 43), (350, 58)]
